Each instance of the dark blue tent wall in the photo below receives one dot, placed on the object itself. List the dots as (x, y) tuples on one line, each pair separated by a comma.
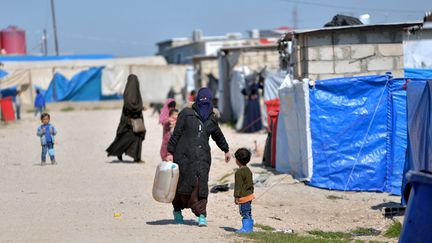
[(419, 155), (84, 86), (419, 104), (358, 135)]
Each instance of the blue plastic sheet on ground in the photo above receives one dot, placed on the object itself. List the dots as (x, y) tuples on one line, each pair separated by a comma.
[(84, 86), (349, 133)]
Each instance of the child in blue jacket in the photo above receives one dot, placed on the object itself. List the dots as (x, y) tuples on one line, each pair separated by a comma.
[(46, 132), (39, 103)]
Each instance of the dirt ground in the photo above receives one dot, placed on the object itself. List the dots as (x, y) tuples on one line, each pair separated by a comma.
[(75, 201)]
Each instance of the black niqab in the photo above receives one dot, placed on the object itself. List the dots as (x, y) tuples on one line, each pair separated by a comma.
[(132, 95)]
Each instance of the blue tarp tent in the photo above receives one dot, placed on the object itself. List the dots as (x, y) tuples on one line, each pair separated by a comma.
[(418, 73), (419, 152), (84, 86), (3, 73), (397, 128), (357, 133)]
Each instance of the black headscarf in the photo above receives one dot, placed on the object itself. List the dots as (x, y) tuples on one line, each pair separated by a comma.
[(204, 103), (132, 95)]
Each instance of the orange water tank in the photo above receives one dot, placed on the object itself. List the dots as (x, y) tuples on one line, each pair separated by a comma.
[(13, 40)]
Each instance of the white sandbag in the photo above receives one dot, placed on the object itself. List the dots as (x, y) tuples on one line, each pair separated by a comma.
[(165, 182)]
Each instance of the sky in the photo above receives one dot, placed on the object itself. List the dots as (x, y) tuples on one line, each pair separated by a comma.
[(133, 27)]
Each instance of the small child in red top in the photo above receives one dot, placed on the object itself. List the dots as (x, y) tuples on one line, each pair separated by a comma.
[(168, 127)]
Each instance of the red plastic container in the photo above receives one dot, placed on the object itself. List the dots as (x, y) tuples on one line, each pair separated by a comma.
[(273, 115), (7, 109), (13, 40)]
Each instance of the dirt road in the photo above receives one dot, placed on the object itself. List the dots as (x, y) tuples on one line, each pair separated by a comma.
[(75, 201)]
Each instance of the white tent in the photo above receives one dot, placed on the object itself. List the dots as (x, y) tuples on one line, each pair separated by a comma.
[(293, 142), (156, 77)]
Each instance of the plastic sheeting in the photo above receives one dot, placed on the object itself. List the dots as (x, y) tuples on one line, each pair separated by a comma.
[(272, 82), (349, 133), (236, 85), (294, 146), (84, 86), (397, 126), (3, 73), (155, 81), (418, 73), (114, 80), (419, 128), (31, 73)]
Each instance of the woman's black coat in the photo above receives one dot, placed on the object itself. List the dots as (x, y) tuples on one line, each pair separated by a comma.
[(126, 141), (190, 146)]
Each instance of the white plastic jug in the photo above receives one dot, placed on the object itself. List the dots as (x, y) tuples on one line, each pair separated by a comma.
[(165, 182)]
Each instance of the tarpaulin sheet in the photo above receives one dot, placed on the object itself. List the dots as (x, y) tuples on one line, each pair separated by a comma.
[(418, 73), (3, 73), (397, 128), (156, 81), (419, 126), (84, 86), (114, 80), (349, 133), (272, 82), (294, 145)]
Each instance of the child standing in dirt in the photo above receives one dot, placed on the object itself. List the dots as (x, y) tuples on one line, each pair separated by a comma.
[(46, 132), (168, 128), (243, 189)]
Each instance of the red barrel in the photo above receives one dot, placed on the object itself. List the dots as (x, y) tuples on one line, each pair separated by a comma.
[(13, 40)]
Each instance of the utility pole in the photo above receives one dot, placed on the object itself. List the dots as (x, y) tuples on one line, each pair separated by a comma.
[(295, 17), (44, 43), (54, 28)]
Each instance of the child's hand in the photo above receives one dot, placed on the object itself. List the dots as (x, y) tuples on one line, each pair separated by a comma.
[(236, 200), (43, 130)]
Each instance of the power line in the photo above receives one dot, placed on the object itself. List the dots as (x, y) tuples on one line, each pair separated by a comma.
[(353, 8)]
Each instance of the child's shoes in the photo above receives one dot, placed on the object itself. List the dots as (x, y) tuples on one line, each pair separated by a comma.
[(247, 226)]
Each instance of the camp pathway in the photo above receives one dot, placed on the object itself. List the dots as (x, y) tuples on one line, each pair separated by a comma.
[(87, 197)]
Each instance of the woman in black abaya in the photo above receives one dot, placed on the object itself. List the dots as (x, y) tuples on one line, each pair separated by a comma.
[(126, 141)]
